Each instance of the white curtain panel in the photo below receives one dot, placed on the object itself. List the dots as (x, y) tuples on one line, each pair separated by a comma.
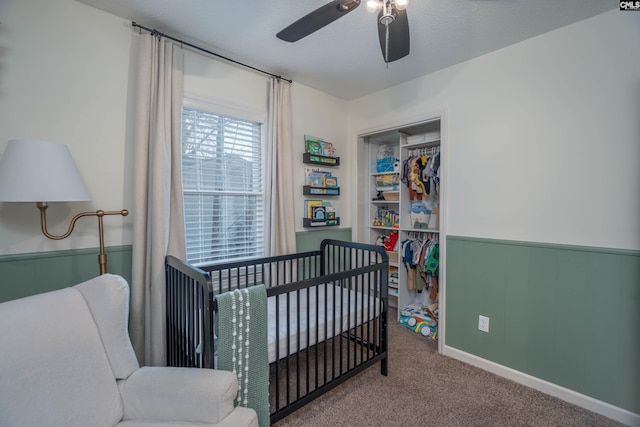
[(280, 227), (158, 213)]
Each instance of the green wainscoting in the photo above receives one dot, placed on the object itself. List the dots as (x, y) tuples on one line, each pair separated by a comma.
[(310, 240), (565, 314), (33, 273)]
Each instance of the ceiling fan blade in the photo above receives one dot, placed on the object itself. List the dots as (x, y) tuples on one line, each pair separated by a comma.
[(317, 19), (394, 38)]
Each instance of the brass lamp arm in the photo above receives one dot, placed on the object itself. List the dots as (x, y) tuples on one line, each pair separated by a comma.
[(102, 258)]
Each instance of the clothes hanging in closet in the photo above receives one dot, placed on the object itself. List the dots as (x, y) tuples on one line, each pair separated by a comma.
[(421, 260), (421, 172)]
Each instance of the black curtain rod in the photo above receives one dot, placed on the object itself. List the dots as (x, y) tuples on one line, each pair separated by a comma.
[(182, 42)]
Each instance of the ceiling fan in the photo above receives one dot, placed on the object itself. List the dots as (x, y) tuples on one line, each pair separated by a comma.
[(393, 25)]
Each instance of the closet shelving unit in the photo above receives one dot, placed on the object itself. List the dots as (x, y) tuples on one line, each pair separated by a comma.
[(405, 142), (390, 203)]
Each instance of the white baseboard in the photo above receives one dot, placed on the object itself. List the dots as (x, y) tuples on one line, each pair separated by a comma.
[(594, 405)]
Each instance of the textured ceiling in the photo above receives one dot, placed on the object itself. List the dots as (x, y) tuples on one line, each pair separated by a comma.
[(344, 58)]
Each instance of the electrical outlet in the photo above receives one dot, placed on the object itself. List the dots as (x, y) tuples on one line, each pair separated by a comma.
[(483, 323)]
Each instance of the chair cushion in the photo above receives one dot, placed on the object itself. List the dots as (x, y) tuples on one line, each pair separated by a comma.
[(206, 395), (53, 367)]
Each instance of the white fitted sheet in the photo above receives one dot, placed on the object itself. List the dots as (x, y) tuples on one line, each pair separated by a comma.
[(346, 314)]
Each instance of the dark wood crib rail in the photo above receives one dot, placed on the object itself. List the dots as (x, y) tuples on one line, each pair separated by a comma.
[(303, 373)]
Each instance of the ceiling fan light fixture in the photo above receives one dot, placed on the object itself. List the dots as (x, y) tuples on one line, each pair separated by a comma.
[(401, 4), (388, 15), (386, 20), (373, 5)]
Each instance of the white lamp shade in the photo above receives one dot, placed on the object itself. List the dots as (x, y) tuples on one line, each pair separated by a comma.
[(38, 171)]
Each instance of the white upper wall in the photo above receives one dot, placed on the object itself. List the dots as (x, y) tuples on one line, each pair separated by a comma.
[(544, 137), (67, 77)]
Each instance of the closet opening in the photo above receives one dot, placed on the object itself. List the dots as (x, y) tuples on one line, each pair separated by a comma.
[(401, 205)]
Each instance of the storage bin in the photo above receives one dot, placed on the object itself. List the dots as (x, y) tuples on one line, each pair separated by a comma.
[(387, 164), (392, 196), (387, 182), (420, 220)]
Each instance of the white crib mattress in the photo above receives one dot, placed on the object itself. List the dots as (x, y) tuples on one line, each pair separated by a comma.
[(348, 314)]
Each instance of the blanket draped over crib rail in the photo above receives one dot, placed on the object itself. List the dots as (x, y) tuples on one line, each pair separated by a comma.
[(242, 345)]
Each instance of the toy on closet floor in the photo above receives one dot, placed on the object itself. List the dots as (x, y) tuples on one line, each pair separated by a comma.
[(420, 319), (433, 311)]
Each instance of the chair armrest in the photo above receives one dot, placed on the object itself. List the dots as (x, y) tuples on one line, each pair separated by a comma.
[(185, 394)]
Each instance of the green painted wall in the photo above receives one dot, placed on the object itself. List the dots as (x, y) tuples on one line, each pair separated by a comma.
[(568, 315), (29, 274), (33, 273), (310, 240)]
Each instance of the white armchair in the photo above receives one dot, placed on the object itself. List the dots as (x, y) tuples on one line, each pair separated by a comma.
[(66, 360)]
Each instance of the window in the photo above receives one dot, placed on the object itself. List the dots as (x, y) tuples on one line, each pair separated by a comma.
[(222, 180)]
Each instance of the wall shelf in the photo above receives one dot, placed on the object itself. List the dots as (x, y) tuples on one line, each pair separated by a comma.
[(307, 222), (317, 159), (308, 190)]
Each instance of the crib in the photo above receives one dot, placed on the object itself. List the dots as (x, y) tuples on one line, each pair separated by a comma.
[(327, 314)]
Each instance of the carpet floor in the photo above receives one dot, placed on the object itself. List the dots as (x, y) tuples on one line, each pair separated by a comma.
[(424, 388)]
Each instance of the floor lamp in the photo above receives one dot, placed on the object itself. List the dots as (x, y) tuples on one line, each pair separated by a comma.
[(43, 172)]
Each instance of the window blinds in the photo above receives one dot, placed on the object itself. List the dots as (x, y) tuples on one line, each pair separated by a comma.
[(222, 180)]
